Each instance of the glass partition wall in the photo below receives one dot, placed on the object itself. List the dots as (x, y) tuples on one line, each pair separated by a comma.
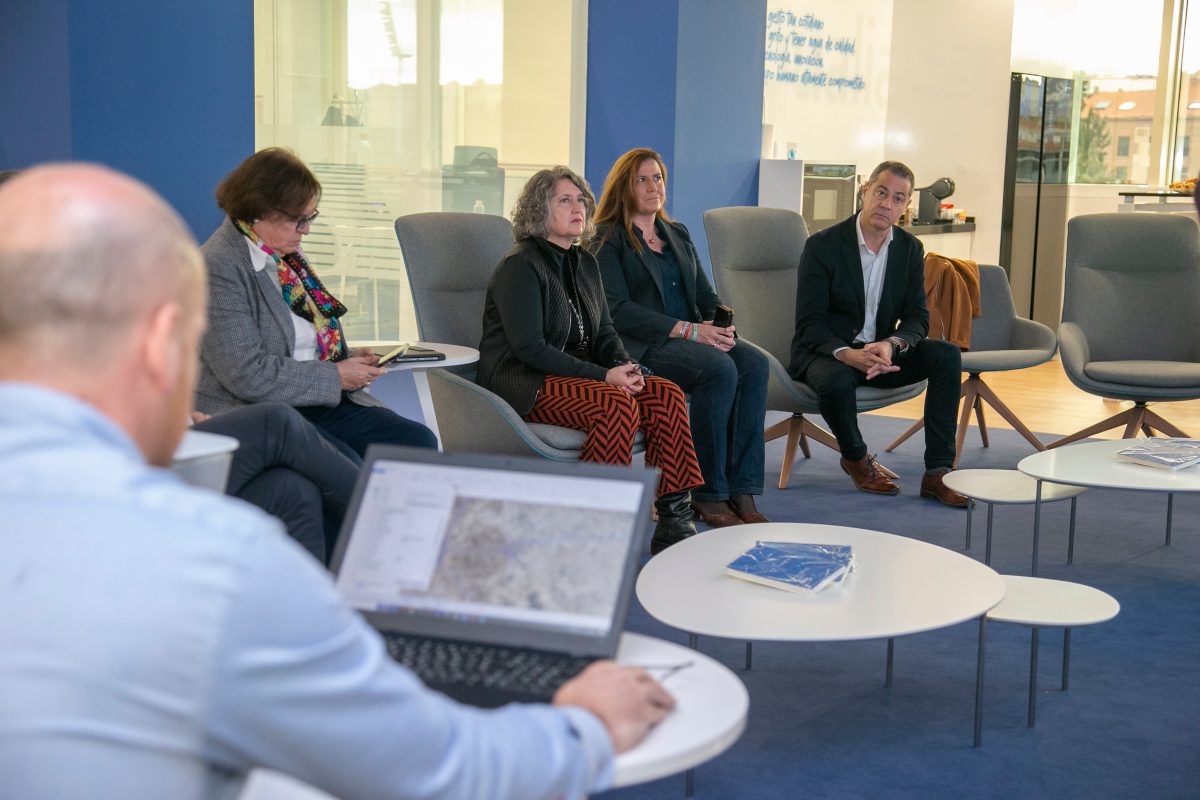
[(404, 106)]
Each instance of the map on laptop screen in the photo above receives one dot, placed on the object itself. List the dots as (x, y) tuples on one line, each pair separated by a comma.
[(532, 549)]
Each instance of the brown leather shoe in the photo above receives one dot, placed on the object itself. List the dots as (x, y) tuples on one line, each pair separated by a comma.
[(743, 506), (867, 476), (716, 513), (933, 486)]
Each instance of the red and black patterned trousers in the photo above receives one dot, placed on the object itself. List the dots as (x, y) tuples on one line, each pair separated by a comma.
[(611, 417)]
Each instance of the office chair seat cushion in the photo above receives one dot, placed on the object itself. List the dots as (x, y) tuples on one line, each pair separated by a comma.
[(1153, 374), (569, 439), (1001, 360)]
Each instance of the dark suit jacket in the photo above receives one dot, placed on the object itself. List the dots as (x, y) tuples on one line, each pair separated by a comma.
[(633, 286), (526, 322), (831, 299)]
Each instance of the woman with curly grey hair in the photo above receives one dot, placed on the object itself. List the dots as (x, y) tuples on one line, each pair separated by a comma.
[(550, 350)]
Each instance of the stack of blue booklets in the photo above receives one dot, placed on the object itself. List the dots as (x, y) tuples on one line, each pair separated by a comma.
[(795, 566)]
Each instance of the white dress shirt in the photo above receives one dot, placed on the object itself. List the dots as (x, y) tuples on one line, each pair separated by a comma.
[(306, 333), (874, 267)]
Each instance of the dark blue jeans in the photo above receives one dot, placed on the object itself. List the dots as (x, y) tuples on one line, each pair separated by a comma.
[(728, 405), (353, 428)]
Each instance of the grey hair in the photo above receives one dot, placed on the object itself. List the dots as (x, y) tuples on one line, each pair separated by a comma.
[(896, 168), (531, 212)]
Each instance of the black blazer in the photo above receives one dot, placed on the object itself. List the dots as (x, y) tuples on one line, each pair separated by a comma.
[(633, 285), (527, 319), (831, 300)]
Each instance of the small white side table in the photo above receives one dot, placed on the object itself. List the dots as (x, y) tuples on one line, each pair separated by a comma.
[(1040, 602), (203, 459), (1008, 487), (405, 379)]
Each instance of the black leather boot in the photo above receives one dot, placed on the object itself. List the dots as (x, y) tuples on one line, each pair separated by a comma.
[(674, 521)]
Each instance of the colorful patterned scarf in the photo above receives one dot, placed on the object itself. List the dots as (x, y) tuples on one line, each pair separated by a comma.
[(307, 297)]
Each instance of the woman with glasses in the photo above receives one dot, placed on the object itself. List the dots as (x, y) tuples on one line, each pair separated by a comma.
[(274, 330), (663, 307), (549, 349)]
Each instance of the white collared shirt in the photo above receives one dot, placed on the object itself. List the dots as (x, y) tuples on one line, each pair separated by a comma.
[(306, 333), (874, 267)]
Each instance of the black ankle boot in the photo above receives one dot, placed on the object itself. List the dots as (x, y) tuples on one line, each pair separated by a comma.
[(674, 521)]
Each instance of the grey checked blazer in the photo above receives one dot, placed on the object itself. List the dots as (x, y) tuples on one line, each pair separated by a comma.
[(246, 355)]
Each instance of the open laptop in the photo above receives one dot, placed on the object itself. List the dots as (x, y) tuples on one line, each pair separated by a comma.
[(495, 578)]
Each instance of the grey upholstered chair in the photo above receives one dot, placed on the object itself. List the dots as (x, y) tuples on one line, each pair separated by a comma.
[(449, 258), (1131, 299), (755, 255), (1000, 341)]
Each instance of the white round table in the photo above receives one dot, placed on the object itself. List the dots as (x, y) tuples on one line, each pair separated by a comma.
[(709, 716), (395, 390), (1095, 464), (203, 459)]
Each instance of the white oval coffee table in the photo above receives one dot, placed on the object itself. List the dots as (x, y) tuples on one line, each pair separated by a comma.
[(1095, 464), (900, 586)]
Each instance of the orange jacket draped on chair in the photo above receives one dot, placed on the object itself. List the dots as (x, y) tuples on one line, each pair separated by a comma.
[(952, 294)]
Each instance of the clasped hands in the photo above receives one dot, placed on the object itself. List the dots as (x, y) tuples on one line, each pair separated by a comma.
[(875, 358), (628, 376)]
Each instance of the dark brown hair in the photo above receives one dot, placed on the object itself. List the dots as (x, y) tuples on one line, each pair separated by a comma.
[(272, 181), (618, 203)]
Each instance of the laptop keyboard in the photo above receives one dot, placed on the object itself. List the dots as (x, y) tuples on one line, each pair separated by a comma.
[(438, 662)]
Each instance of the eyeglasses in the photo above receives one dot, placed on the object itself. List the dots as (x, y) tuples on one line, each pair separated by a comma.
[(301, 222)]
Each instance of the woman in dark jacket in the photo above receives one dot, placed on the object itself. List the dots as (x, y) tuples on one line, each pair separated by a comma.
[(549, 349), (663, 306)]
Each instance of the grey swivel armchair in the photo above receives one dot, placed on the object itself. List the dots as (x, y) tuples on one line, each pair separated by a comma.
[(755, 256), (449, 258), (1131, 299), (1000, 341)]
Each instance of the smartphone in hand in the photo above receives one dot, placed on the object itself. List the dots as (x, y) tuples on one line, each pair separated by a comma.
[(393, 355), (723, 317)]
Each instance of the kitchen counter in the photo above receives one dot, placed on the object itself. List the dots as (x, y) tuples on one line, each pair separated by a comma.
[(939, 227)]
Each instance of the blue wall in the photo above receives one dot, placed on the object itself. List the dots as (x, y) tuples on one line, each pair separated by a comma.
[(35, 94), (164, 92), (630, 82), (685, 78)]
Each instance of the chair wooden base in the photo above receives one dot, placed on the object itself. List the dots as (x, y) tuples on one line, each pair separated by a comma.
[(1138, 418), (799, 430), (974, 393)]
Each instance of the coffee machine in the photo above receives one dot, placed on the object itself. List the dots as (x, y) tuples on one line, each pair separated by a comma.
[(929, 200)]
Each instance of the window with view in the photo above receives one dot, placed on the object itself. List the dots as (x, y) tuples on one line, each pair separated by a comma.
[(405, 106)]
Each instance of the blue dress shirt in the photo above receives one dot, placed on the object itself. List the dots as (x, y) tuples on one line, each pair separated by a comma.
[(159, 641)]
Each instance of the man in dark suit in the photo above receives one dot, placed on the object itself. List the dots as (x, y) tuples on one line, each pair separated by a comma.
[(861, 316)]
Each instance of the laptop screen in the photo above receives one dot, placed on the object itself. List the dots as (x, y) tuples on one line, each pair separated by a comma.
[(512, 544)]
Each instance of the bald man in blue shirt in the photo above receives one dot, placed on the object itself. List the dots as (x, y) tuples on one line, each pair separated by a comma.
[(161, 641)]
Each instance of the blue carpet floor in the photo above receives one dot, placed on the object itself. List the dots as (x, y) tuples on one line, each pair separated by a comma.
[(822, 725)]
